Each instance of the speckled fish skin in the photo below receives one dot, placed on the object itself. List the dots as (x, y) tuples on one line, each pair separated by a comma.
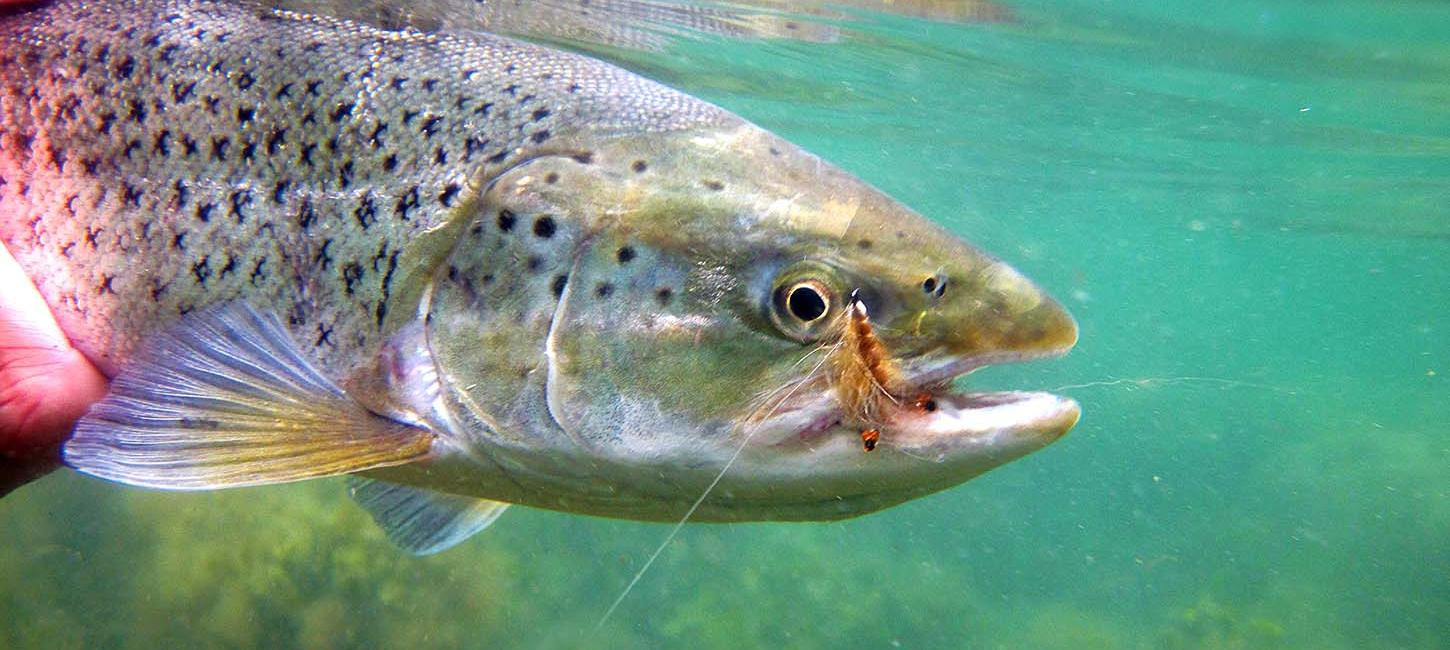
[(587, 267), (160, 156)]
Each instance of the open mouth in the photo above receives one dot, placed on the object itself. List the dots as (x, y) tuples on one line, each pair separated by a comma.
[(936, 416)]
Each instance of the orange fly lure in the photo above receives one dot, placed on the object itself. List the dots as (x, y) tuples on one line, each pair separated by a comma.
[(867, 380)]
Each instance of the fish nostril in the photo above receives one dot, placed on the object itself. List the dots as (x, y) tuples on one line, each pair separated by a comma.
[(935, 285)]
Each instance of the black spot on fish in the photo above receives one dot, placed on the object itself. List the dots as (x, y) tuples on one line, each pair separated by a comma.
[(352, 273), (498, 157), (323, 257), (202, 270), (560, 281), (551, 178), (284, 91), (540, 137), (540, 113), (229, 267), (483, 109), (535, 263), (125, 67), (106, 287), (249, 151), (132, 146), (132, 195), (204, 210), (183, 193), (189, 146), (93, 236), (167, 53), (219, 146), (212, 102), (306, 215), (449, 193), (137, 112), (430, 84), (162, 144), (584, 158), (390, 163), (240, 200), (179, 242), (663, 295), (376, 139), (182, 91), (774, 151), (573, 88), (344, 175), (603, 289), (324, 334), (307, 151), (506, 220), (864, 244), (625, 254), (313, 87), (366, 212), (407, 203), (108, 120), (713, 185), (245, 114), (544, 227), (409, 116), (440, 156), (430, 126), (245, 80), (259, 271), (275, 140), (342, 112)]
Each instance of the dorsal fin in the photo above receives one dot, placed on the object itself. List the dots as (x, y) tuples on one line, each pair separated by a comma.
[(420, 521), (642, 25)]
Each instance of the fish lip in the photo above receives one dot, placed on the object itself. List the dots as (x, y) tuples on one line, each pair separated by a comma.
[(818, 415)]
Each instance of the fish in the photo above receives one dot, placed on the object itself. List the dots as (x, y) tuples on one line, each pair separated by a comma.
[(467, 271)]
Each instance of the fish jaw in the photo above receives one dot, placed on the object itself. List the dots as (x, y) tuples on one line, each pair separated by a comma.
[(808, 455)]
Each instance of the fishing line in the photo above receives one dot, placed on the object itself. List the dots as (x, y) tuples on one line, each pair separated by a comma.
[(1146, 382), (696, 505)]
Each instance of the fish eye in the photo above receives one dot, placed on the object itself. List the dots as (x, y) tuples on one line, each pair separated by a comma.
[(804, 297), (808, 301)]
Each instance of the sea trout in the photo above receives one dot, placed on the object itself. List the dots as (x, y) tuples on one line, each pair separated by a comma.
[(471, 271)]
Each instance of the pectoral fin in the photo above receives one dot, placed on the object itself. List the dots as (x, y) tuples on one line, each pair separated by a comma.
[(225, 399), (423, 522)]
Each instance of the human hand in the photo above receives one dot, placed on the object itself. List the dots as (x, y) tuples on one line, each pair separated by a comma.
[(45, 384)]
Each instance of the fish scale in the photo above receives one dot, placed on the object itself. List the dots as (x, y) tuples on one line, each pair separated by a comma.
[(156, 157)]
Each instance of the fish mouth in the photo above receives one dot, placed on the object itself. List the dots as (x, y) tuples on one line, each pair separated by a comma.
[(937, 419)]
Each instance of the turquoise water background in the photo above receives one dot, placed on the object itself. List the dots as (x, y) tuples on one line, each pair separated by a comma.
[(1243, 203)]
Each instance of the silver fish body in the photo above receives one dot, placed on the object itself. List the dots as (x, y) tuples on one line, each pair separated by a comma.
[(499, 273)]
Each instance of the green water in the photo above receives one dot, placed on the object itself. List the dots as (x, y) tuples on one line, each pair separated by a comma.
[(1243, 203)]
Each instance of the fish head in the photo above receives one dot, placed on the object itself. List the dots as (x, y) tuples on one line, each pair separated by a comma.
[(692, 323)]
